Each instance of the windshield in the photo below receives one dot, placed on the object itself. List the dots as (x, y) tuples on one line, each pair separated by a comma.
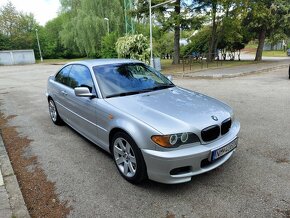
[(125, 79)]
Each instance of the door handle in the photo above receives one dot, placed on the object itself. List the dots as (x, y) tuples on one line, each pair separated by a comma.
[(64, 92)]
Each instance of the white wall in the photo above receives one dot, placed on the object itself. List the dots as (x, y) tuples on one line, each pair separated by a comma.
[(13, 57)]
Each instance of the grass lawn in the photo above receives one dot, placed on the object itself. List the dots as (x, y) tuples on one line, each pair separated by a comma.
[(274, 53), (168, 68), (251, 45), (59, 61)]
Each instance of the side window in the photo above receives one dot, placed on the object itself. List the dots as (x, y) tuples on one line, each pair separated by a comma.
[(80, 76), (62, 76)]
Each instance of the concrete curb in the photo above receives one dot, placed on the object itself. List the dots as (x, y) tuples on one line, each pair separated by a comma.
[(16, 200), (233, 75)]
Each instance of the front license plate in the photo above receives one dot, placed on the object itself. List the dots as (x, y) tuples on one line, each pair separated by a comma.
[(215, 154)]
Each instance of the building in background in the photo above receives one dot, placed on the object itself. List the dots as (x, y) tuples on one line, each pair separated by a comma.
[(15, 57)]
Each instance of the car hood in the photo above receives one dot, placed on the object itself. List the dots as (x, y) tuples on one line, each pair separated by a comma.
[(173, 110)]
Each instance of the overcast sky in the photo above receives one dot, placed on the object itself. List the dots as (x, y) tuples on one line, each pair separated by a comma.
[(43, 10)]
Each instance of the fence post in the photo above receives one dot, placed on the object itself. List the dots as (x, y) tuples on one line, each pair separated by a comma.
[(183, 64)]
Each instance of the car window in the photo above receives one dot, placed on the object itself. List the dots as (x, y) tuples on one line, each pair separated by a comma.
[(118, 79), (62, 75), (80, 76)]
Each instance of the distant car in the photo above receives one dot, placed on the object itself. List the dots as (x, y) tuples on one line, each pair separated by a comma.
[(152, 128)]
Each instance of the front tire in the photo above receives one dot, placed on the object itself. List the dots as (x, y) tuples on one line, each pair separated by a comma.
[(53, 113), (128, 158)]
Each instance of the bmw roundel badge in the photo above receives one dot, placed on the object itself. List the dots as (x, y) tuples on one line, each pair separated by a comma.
[(214, 118)]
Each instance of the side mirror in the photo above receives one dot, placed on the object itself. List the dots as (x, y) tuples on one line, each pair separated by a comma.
[(170, 78), (83, 92)]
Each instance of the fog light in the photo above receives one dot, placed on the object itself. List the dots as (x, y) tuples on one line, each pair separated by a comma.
[(180, 170)]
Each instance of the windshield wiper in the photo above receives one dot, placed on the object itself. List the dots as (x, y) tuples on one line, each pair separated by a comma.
[(160, 87), (140, 91), (127, 93)]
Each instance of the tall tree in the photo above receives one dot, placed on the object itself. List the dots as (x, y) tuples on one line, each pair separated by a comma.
[(176, 15), (16, 28), (220, 14), (171, 17), (9, 19), (209, 8), (265, 17), (86, 25)]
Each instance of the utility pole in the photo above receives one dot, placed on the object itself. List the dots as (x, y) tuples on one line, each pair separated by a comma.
[(36, 31), (108, 25)]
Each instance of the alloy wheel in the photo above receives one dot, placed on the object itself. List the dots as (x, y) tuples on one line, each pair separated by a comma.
[(52, 111), (125, 157)]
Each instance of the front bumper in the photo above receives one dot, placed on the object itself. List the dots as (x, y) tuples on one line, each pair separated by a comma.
[(192, 161)]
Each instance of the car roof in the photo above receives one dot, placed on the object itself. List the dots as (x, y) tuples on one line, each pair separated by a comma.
[(98, 62)]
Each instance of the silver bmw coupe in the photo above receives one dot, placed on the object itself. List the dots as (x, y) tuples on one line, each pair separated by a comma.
[(152, 128)]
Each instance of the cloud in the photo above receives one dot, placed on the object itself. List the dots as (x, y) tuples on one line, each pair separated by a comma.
[(43, 10)]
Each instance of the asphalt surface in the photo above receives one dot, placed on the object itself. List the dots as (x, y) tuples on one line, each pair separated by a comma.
[(253, 183)]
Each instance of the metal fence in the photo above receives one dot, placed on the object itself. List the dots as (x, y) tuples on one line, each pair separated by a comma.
[(201, 60)]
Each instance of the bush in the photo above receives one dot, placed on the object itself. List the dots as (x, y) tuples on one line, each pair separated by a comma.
[(108, 48), (134, 47)]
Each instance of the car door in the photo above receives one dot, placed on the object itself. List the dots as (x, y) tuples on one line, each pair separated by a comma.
[(59, 89), (82, 116)]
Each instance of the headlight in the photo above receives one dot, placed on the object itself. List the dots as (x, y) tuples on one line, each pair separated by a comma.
[(175, 140), (184, 137)]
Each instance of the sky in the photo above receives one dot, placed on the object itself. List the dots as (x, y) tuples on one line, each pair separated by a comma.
[(43, 10)]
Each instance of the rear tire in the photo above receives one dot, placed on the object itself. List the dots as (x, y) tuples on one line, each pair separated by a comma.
[(128, 158), (56, 119)]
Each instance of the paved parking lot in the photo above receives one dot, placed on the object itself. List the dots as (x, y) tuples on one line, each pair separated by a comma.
[(254, 183)]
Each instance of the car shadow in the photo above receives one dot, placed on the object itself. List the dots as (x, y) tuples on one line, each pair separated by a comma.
[(97, 147)]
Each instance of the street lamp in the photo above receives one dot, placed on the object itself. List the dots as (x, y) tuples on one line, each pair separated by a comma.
[(107, 19), (150, 23), (41, 59)]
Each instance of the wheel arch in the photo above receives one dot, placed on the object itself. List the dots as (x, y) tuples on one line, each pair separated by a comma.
[(139, 131), (114, 131), (49, 98)]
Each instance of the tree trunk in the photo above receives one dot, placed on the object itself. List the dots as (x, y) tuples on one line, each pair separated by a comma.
[(176, 53), (220, 34), (259, 52), (213, 33)]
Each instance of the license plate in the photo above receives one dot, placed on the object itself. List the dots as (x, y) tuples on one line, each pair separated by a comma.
[(215, 154)]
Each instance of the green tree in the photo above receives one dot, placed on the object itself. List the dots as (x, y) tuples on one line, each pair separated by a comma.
[(198, 42), (266, 17), (165, 44), (51, 43), (5, 42), (172, 17), (108, 46), (9, 19), (86, 26), (17, 30)]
